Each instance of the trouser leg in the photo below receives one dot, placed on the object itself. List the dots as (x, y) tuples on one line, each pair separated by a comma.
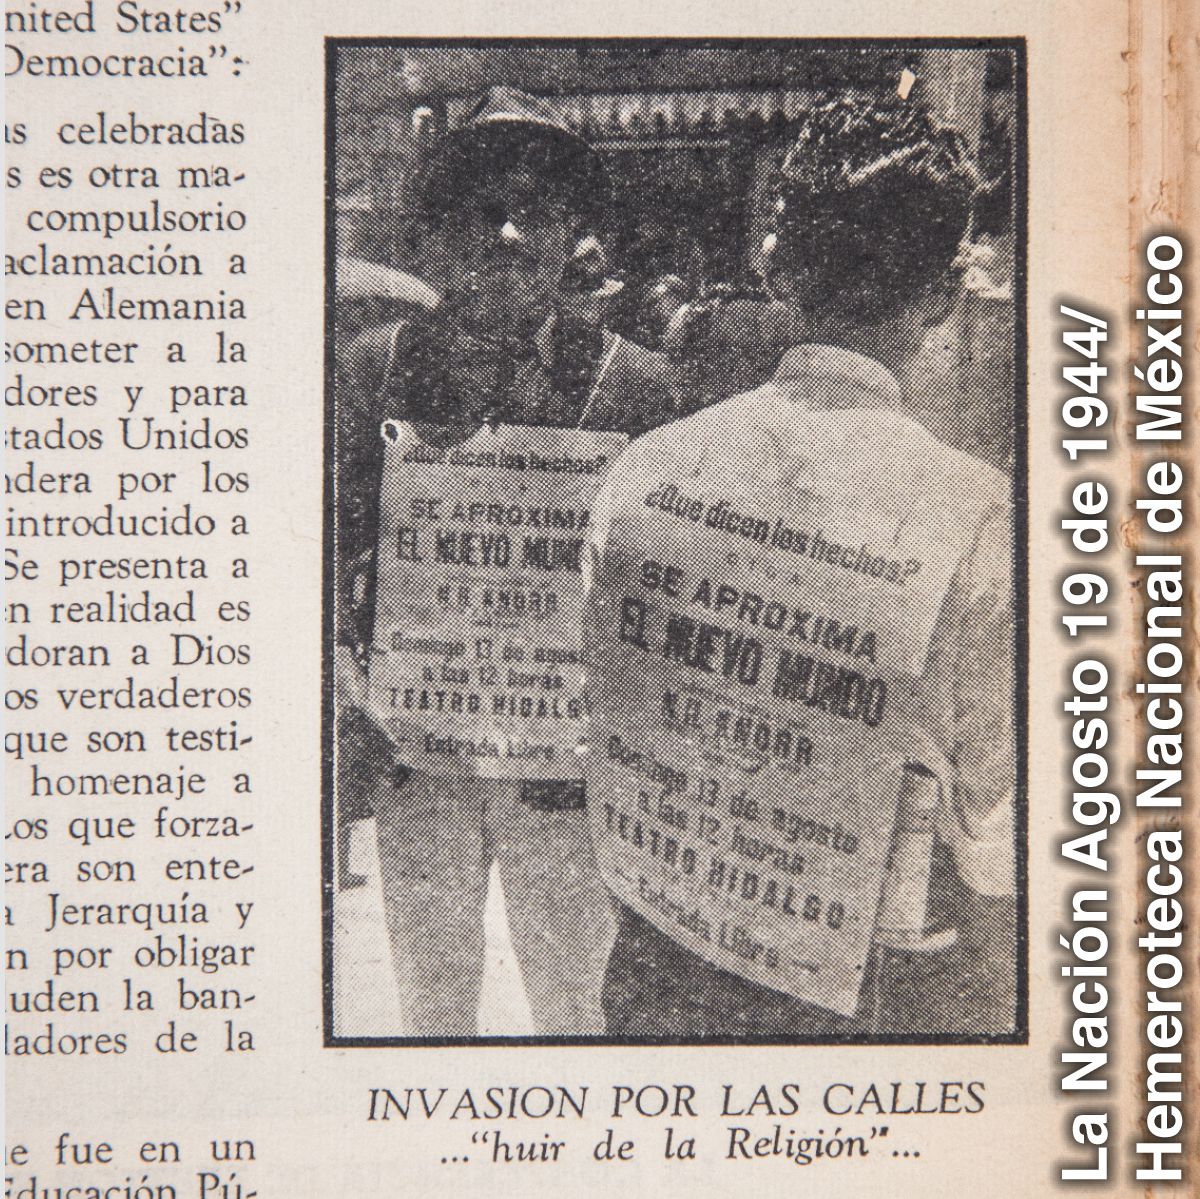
[(560, 914), (656, 987), (434, 867)]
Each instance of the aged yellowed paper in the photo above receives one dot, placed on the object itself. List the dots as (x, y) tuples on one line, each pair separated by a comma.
[(598, 599)]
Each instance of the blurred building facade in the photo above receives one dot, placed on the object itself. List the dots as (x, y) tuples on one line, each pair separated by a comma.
[(690, 134)]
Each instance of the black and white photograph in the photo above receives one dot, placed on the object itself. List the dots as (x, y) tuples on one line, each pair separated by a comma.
[(675, 547)]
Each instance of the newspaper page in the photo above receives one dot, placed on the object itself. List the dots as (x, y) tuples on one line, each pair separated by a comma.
[(598, 599)]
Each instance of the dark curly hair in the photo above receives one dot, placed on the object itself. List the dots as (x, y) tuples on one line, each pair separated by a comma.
[(872, 200)]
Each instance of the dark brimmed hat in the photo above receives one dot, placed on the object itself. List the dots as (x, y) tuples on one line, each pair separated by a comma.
[(505, 126)]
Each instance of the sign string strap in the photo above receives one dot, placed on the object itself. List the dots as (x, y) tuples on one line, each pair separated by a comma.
[(610, 354)]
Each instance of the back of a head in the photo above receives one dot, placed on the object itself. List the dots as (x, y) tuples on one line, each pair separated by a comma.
[(872, 200)]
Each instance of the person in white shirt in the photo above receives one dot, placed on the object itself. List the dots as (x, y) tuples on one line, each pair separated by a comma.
[(508, 192), (873, 200)]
